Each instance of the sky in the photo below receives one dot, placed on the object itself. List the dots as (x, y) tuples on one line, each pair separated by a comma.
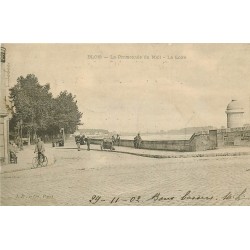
[(170, 86)]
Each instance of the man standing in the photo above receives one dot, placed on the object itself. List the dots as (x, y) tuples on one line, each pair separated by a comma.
[(118, 140), (12, 151), (139, 140), (40, 148), (135, 142), (78, 142), (113, 139), (88, 142)]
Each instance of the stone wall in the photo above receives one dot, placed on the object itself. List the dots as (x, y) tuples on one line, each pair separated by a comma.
[(233, 137), (170, 145), (205, 140), (224, 138), (201, 142)]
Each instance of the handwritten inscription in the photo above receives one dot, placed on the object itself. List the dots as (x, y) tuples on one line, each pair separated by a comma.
[(230, 196), (158, 197)]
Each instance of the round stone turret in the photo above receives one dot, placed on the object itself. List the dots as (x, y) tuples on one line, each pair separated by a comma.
[(234, 113)]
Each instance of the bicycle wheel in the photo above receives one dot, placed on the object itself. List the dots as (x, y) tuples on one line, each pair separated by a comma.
[(44, 162), (35, 162)]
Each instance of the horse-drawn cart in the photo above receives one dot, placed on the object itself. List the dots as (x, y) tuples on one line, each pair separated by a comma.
[(107, 144)]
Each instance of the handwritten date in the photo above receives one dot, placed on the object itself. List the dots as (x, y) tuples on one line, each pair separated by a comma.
[(158, 197), (97, 198)]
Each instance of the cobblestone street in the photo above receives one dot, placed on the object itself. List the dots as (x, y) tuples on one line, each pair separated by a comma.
[(109, 178)]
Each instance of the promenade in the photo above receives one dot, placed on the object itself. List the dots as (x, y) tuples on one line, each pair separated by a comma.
[(128, 176), (25, 157)]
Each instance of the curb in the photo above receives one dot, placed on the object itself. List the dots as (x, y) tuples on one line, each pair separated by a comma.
[(198, 155), (182, 156)]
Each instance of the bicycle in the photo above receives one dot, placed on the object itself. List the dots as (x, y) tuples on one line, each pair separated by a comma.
[(39, 161)]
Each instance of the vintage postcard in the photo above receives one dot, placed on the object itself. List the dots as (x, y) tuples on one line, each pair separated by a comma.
[(125, 124)]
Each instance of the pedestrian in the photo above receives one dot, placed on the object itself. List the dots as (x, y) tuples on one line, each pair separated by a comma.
[(18, 141), (135, 142), (12, 153), (118, 140), (88, 143), (113, 139), (139, 140), (78, 142), (82, 139)]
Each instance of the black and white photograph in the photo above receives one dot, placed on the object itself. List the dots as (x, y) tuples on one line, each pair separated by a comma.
[(125, 124)]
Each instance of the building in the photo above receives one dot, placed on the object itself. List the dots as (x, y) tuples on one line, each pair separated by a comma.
[(234, 113), (4, 119)]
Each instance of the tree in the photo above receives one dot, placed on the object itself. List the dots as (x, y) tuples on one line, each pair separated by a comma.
[(65, 112), (39, 112), (32, 103)]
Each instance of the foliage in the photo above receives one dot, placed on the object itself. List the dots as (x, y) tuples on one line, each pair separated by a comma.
[(65, 112), (39, 112)]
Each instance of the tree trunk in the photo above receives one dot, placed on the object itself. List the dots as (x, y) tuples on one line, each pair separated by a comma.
[(28, 137)]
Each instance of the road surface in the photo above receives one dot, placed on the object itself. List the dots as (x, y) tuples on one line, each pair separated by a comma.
[(110, 178)]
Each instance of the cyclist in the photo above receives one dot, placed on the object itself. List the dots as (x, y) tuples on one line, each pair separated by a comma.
[(40, 149)]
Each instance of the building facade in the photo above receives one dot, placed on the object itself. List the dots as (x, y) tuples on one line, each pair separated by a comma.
[(4, 119)]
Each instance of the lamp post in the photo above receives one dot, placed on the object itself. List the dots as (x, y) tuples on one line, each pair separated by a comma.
[(21, 133)]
